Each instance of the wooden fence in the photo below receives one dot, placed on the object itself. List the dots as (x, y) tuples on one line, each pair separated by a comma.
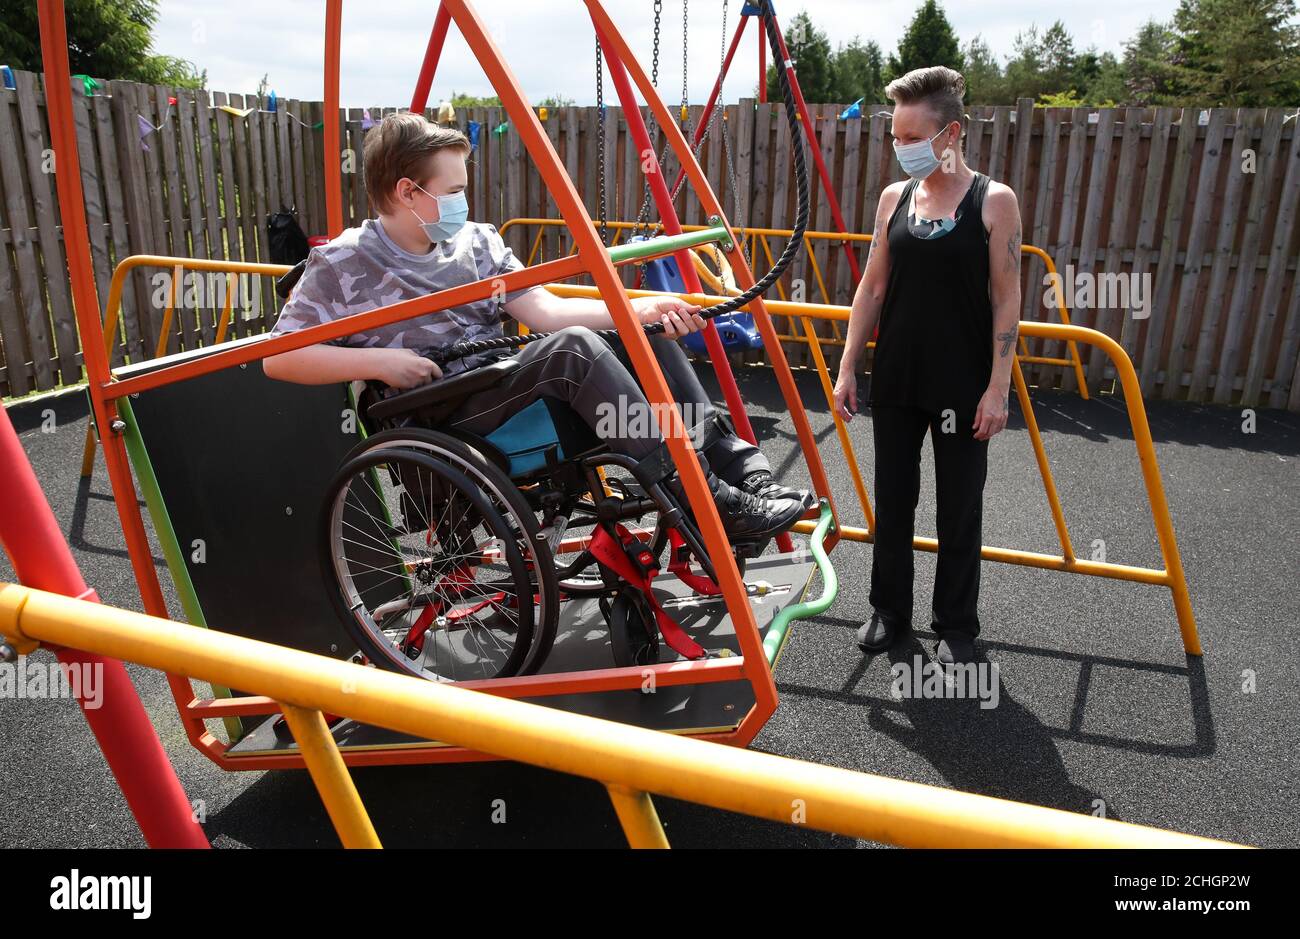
[(1196, 210)]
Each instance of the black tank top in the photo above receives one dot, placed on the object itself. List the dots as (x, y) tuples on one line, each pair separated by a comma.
[(934, 349)]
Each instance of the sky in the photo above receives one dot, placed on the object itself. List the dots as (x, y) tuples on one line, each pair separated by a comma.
[(550, 45)]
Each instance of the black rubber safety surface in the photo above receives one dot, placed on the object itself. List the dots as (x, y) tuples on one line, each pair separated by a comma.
[(1098, 708)]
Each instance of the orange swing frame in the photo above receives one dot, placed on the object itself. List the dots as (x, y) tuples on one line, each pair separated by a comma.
[(591, 258)]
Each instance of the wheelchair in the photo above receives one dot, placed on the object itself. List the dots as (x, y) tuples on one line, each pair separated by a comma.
[(443, 548)]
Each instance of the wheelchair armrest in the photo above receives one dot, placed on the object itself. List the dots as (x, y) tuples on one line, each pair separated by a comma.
[(442, 390)]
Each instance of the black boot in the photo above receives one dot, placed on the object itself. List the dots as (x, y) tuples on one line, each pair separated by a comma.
[(761, 483), (745, 517)]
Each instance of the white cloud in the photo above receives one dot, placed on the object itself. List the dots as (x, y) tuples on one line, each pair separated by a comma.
[(551, 47)]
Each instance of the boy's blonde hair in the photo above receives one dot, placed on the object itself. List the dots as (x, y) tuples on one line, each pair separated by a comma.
[(399, 147)]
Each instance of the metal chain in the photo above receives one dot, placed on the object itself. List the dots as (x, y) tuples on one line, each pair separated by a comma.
[(654, 62), (603, 207), (642, 221), (643, 217), (726, 150), (688, 129), (685, 57)]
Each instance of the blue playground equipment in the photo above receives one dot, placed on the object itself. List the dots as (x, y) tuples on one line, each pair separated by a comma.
[(737, 330)]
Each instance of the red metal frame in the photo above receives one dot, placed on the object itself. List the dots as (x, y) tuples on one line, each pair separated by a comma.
[(591, 258), (437, 38), (810, 128), (672, 226), (333, 125), (31, 535)]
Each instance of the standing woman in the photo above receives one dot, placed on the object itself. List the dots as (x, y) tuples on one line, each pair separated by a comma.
[(943, 282)]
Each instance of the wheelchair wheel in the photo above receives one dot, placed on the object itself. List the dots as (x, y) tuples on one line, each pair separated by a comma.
[(633, 633), (505, 496), (429, 576)]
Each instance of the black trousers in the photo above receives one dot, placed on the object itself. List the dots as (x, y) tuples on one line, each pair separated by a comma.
[(595, 378), (961, 464)]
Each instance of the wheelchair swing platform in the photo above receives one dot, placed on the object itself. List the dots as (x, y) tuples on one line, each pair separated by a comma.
[(582, 644), (233, 467)]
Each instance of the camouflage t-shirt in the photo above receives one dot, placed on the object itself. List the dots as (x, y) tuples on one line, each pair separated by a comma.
[(363, 269)]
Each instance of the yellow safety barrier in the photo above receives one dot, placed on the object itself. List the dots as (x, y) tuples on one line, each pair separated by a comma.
[(1172, 576), (631, 762), (758, 237), (178, 267)]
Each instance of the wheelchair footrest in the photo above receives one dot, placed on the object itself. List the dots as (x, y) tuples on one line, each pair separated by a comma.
[(626, 556)]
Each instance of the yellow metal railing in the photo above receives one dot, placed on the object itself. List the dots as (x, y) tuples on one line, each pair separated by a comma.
[(806, 314), (1171, 576), (631, 762), (754, 238), (178, 267)]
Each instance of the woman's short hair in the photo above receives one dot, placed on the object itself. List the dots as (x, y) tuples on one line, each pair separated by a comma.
[(938, 87)]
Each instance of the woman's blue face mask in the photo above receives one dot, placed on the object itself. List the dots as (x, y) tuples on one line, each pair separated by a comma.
[(453, 212), (918, 159)]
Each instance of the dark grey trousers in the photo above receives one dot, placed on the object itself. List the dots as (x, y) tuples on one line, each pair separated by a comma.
[(595, 378)]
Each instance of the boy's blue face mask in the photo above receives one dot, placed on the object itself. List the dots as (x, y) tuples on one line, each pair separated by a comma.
[(918, 159), (453, 212)]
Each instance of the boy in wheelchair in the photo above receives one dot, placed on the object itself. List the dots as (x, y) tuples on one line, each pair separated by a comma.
[(421, 243)]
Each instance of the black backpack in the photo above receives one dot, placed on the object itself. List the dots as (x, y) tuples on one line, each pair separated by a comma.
[(285, 238)]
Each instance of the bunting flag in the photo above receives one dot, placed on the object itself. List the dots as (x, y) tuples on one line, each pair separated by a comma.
[(87, 83), (145, 129), (502, 128), (242, 113), (472, 130), (446, 113), (367, 121), (853, 110), (8, 75)]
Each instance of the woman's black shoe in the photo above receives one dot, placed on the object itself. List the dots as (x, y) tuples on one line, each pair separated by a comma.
[(876, 634), (955, 648)]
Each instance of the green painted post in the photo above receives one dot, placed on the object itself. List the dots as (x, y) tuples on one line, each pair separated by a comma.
[(162, 525)]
